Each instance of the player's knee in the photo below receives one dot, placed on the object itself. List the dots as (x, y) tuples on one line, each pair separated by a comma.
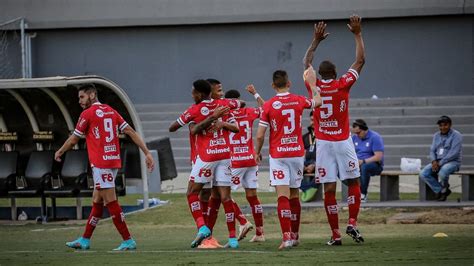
[(250, 192)]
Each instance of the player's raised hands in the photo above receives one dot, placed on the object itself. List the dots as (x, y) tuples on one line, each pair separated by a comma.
[(309, 76), (320, 31), (250, 88), (355, 24), (221, 111)]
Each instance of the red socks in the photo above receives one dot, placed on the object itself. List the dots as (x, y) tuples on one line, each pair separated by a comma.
[(257, 212), (196, 210), (213, 210), (230, 217), (353, 201), (238, 214), (205, 210), (330, 205), (295, 217), (284, 215), (119, 219), (94, 217)]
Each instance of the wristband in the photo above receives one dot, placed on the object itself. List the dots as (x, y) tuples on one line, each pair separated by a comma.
[(256, 95)]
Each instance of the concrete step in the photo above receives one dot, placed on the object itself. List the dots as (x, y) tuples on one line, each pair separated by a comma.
[(354, 102), (418, 139), (410, 150), (411, 111)]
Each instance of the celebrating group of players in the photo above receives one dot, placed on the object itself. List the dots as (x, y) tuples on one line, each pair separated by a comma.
[(223, 153)]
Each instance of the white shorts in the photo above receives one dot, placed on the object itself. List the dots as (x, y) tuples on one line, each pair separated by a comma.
[(286, 171), (104, 177), (216, 173), (336, 159), (191, 179), (245, 177)]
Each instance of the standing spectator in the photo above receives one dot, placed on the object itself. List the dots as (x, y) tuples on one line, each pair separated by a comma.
[(369, 148), (308, 184), (445, 155)]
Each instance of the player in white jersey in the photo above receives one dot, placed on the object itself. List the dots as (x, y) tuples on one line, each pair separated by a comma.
[(335, 153)]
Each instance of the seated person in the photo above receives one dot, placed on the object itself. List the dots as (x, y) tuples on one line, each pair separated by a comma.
[(308, 185), (369, 148), (445, 155)]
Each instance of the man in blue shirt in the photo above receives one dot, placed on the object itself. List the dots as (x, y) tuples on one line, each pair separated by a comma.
[(445, 155), (369, 148)]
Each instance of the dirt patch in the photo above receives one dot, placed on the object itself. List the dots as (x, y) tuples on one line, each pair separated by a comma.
[(448, 216)]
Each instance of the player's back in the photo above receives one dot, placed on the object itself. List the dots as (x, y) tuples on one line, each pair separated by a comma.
[(242, 149), (282, 114), (100, 123), (331, 119)]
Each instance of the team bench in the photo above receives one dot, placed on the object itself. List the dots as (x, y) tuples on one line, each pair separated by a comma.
[(389, 186)]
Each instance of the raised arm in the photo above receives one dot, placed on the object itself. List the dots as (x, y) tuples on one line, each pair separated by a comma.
[(309, 77), (319, 34), (356, 28), (251, 89)]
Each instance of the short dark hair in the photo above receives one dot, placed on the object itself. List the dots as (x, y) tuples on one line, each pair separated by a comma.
[(202, 86), (232, 94), (360, 123), (213, 81), (88, 88), (280, 78), (444, 119), (327, 69)]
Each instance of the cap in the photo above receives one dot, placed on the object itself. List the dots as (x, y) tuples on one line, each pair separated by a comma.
[(360, 124), (444, 119)]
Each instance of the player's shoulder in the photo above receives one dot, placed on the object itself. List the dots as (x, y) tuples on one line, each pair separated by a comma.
[(350, 75)]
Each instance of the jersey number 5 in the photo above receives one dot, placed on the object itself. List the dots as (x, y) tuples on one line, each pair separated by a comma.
[(327, 104)]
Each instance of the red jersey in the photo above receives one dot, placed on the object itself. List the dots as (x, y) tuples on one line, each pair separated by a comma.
[(211, 146), (331, 119), (282, 114), (100, 124), (241, 144)]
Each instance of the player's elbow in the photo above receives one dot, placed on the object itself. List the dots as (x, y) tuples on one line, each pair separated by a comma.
[(361, 60)]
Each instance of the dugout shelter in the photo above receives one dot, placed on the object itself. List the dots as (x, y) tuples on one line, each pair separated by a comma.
[(50, 106)]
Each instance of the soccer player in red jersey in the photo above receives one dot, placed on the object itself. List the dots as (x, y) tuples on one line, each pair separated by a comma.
[(282, 114), (336, 156), (244, 164), (100, 124), (212, 165)]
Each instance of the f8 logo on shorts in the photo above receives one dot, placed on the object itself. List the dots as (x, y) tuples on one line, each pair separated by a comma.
[(278, 174), (352, 164), (205, 172), (322, 172), (235, 180), (107, 177)]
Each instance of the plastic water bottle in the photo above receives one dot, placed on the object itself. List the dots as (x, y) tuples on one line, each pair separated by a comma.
[(23, 216), (152, 201)]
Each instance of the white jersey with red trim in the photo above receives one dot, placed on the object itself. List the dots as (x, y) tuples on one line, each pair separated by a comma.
[(100, 124), (331, 119), (242, 149), (210, 145), (282, 114)]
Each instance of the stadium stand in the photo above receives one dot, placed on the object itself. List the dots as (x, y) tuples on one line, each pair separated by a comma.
[(407, 125)]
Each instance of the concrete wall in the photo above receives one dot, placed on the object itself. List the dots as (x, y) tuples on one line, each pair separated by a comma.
[(423, 56)]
